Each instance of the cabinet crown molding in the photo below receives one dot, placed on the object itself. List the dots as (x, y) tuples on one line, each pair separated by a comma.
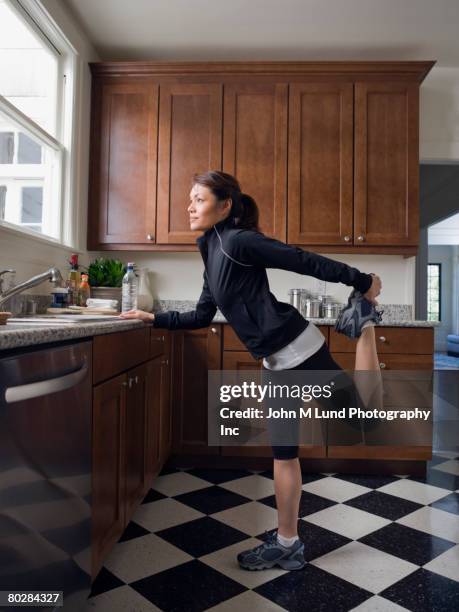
[(416, 70)]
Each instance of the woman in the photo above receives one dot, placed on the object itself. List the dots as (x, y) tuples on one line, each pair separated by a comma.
[(236, 255)]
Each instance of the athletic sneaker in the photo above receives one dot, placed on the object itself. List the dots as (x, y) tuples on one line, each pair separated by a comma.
[(270, 553), (355, 314)]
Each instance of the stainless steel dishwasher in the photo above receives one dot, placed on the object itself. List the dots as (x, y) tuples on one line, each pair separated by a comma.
[(45, 472)]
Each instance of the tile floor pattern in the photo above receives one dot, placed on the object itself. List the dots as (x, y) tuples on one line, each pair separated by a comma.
[(372, 543)]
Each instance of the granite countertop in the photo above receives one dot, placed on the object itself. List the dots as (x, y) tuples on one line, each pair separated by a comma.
[(14, 335)]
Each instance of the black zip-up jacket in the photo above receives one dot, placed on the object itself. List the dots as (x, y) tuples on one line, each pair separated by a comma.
[(236, 282)]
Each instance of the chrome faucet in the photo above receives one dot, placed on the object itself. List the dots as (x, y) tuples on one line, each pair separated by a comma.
[(53, 275)]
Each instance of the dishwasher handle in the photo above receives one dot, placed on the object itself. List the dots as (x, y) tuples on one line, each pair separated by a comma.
[(45, 387)]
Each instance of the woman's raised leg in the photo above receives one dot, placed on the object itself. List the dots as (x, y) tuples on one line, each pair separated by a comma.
[(366, 359)]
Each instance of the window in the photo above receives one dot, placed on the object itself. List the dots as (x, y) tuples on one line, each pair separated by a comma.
[(434, 292), (37, 66), (6, 147)]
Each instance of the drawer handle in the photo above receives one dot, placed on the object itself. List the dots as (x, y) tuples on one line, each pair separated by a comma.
[(382, 338), (136, 380), (130, 382), (162, 338), (382, 365), (213, 330)]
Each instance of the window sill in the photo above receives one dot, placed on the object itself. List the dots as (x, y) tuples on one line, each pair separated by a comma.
[(7, 228)]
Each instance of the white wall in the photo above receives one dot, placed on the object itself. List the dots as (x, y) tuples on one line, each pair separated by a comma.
[(439, 115), (446, 256), (445, 232), (178, 276)]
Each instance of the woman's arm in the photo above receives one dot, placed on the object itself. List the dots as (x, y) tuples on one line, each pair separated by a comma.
[(259, 250), (194, 319)]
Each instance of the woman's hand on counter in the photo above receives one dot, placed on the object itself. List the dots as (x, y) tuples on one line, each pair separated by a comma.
[(148, 317)]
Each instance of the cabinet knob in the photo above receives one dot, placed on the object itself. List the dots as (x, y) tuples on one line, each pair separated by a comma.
[(346, 238), (136, 380), (150, 237), (130, 382), (213, 330), (361, 238), (382, 365), (382, 338), (162, 338)]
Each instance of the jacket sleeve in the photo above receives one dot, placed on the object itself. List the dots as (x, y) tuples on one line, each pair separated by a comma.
[(193, 319), (259, 250)]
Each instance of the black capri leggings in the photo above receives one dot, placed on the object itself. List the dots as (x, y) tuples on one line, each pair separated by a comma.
[(322, 360)]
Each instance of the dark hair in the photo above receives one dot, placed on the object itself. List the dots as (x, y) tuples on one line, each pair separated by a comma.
[(244, 209)]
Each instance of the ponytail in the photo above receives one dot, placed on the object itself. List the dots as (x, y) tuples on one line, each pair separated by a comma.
[(247, 215)]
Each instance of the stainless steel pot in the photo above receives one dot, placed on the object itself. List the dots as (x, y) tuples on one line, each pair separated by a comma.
[(295, 297), (331, 310), (311, 308)]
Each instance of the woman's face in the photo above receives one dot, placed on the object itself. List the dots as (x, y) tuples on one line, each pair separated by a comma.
[(204, 209)]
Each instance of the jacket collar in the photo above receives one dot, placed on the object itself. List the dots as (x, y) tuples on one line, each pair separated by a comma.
[(220, 226)]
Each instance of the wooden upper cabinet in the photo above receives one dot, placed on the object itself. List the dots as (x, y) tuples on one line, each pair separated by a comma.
[(122, 193), (329, 151), (190, 141), (255, 148), (386, 190), (320, 163)]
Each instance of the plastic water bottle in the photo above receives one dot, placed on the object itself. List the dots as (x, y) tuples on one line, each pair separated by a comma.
[(129, 293)]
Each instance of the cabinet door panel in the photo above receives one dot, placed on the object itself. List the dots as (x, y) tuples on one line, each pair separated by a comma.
[(194, 353), (108, 484), (386, 193), (153, 418), (190, 141), (122, 197), (255, 148), (320, 163), (135, 432), (165, 412)]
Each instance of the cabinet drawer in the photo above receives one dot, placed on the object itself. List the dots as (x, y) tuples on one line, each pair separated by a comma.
[(406, 340), (117, 352), (388, 361), (231, 341), (159, 341)]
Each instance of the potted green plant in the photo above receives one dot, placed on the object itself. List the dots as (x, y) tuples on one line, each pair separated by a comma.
[(105, 277)]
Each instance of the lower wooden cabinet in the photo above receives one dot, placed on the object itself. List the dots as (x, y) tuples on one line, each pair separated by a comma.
[(131, 432), (197, 351), (194, 353), (108, 467), (135, 438)]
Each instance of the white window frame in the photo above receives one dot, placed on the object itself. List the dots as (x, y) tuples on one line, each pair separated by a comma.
[(33, 13)]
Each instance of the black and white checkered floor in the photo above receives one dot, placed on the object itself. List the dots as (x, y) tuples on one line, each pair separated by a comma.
[(373, 544)]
